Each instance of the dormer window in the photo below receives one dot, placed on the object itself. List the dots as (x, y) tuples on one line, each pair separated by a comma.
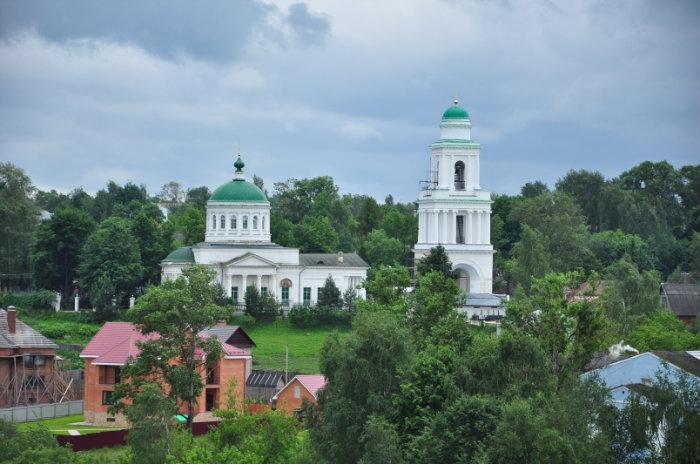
[(459, 175)]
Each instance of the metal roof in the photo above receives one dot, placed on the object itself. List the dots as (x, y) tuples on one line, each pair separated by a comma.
[(682, 360), (24, 337), (331, 260), (484, 299), (682, 299), (264, 379), (225, 332)]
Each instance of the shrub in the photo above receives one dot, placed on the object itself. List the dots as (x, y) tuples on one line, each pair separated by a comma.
[(37, 300), (262, 307), (318, 316)]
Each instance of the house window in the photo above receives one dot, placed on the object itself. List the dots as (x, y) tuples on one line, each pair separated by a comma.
[(263, 290), (297, 392), (245, 222), (319, 290), (212, 378), (307, 296), (459, 175), (233, 222), (460, 229), (255, 222), (213, 221), (109, 375), (285, 296), (234, 293), (107, 397)]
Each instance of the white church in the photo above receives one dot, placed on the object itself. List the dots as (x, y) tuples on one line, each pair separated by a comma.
[(453, 211), (238, 246)]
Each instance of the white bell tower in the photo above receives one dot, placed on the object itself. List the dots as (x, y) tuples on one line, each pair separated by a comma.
[(453, 210)]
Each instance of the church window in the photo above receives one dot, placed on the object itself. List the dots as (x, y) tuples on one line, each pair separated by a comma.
[(245, 222), (263, 223), (234, 222), (319, 291), (263, 290), (459, 175), (285, 296), (234, 294), (223, 221), (213, 221), (307, 296), (460, 229), (255, 222)]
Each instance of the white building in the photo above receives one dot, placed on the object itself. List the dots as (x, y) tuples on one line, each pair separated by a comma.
[(237, 246), (454, 211)]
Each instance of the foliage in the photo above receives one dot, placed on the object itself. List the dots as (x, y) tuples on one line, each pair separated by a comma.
[(315, 235), (262, 307), (154, 237), (37, 300), (434, 298), (661, 330), (330, 295), (379, 248), (189, 222), (56, 246), (362, 373), (435, 260), (533, 189), (380, 442), (303, 316), (530, 257), (151, 416), (386, 288), (31, 446), (610, 246), (177, 311), (103, 296), (111, 251)]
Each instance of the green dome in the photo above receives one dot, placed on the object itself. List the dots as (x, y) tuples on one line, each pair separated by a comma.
[(455, 112), (181, 255), (240, 191)]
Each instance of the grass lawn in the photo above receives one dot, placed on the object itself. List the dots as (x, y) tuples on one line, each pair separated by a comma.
[(107, 455), (61, 425), (304, 345)]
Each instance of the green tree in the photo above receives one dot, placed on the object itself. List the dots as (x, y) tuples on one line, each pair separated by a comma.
[(32, 445), (171, 194), (295, 198), (151, 415), (435, 260), (559, 220), (56, 248), (610, 246), (386, 288), (18, 218), (586, 189), (282, 229), (662, 331), (198, 196), (362, 372), (401, 225), (316, 235), (531, 259), (104, 299), (177, 311), (189, 223), (252, 300), (533, 189), (434, 298), (380, 442), (568, 329), (379, 248), (330, 294), (370, 215), (111, 251), (693, 264)]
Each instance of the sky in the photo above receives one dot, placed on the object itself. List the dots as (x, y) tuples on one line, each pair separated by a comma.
[(150, 92)]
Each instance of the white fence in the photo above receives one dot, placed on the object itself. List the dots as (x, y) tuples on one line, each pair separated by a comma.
[(41, 411)]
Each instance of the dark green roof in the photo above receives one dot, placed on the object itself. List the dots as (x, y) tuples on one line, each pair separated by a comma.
[(455, 112), (181, 255), (238, 190)]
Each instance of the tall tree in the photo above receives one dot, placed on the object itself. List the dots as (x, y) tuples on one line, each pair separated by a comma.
[(382, 249), (330, 294), (316, 235), (56, 247), (585, 187), (177, 311), (533, 189), (172, 194), (435, 260), (112, 251), (531, 259), (154, 237), (198, 196), (370, 215)]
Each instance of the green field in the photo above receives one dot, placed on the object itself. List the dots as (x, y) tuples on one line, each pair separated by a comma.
[(62, 425), (304, 345)]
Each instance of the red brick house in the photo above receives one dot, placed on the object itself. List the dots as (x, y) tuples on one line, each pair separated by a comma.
[(28, 364), (301, 387), (115, 343)]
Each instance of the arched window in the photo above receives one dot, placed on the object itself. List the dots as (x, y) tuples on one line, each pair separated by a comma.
[(223, 221), (255, 222), (234, 222), (245, 222), (459, 175), (263, 223), (213, 221)]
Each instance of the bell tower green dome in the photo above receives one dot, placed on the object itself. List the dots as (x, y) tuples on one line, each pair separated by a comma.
[(239, 190), (455, 112)]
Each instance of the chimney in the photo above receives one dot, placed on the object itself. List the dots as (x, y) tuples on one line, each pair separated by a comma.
[(11, 319), (340, 257), (221, 323), (686, 277)]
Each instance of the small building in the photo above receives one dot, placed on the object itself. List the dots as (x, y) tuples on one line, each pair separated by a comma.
[(29, 367), (301, 387), (481, 305), (637, 372), (261, 386), (682, 299), (116, 343)]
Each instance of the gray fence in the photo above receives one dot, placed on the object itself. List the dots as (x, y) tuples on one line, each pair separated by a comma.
[(41, 411)]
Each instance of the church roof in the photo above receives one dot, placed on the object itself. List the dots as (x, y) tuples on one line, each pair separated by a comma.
[(181, 255), (331, 260), (239, 191), (455, 112)]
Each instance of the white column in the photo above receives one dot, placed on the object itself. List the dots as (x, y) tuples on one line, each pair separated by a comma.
[(487, 217), (479, 226), (435, 226), (244, 286), (258, 280), (443, 226), (428, 227), (421, 227), (453, 227), (469, 235)]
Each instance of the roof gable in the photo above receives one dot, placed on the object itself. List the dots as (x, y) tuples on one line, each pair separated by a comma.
[(251, 260), (24, 336), (682, 299), (311, 382)]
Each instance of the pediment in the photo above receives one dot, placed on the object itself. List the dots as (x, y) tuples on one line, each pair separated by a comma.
[(250, 260)]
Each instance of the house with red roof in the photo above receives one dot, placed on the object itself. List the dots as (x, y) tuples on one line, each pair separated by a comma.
[(116, 342), (301, 387)]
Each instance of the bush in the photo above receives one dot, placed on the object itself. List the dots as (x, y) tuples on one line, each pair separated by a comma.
[(262, 307), (318, 316), (37, 300)]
